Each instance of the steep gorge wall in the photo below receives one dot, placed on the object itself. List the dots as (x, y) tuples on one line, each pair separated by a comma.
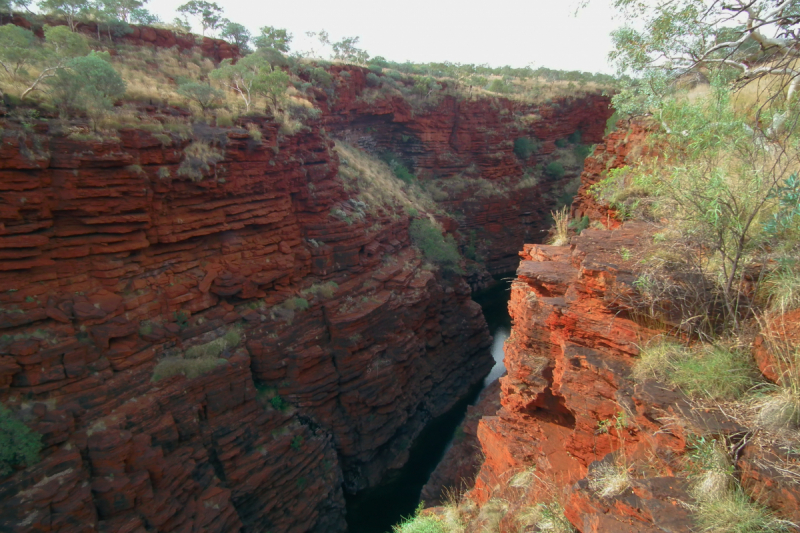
[(445, 136), (107, 268)]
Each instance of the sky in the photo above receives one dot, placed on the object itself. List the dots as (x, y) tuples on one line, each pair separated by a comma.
[(540, 33)]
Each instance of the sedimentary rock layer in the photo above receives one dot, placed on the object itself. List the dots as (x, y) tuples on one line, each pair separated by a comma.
[(110, 262)]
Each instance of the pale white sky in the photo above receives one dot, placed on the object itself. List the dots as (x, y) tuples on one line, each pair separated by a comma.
[(502, 32)]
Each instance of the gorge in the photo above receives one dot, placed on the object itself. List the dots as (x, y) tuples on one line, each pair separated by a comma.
[(249, 291), (238, 351)]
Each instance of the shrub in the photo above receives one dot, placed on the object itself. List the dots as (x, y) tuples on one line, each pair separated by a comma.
[(278, 403), (436, 248), (561, 143), (525, 147), (202, 94), (191, 368), (198, 159), (255, 132), (296, 304), (373, 80), (582, 151), (89, 84), (215, 348), (580, 224), (18, 444), (574, 138), (326, 290), (555, 170)]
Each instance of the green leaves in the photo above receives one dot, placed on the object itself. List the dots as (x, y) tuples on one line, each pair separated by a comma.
[(436, 247), (209, 14), (18, 444), (273, 38), (202, 94), (17, 48), (87, 83)]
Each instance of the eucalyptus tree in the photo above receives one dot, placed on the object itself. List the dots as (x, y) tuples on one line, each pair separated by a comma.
[(726, 154), (71, 10), (61, 46), (208, 14), (237, 34), (273, 38)]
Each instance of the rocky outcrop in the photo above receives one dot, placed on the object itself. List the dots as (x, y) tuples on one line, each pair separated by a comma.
[(136, 35), (572, 416), (111, 263), (618, 149)]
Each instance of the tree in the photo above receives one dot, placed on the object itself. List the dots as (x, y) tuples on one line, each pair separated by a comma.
[(61, 45), (274, 38), (209, 14), (745, 39), (18, 47), (237, 34), (322, 37), (240, 77), (71, 10), (88, 83), (144, 17), (121, 9), (346, 50), (272, 83), (202, 94)]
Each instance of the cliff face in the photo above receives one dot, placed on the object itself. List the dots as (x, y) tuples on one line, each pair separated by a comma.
[(449, 137), (571, 409), (107, 269)]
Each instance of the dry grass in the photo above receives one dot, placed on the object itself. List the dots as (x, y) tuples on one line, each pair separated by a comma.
[(375, 184), (609, 479), (562, 220)]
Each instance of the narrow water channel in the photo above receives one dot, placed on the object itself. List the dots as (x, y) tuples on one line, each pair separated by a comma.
[(376, 510)]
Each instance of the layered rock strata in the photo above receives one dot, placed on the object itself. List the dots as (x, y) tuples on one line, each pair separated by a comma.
[(110, 264), (447, 139), (571, 412)]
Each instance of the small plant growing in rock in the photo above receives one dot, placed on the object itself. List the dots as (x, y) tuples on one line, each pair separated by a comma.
[(256, 135), (199, 158), (297, 442), (439, 249), (18, 444)]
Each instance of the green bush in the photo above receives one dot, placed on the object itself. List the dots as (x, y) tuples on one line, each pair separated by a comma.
[(373, 80), (18, 444), (191, 368), (580, 224), (575, 137), (436, 247), (202, 94), (555, 170), (199, 158), (296, 304), (215, 348), (582, 151), (525, 147), (561, 143)]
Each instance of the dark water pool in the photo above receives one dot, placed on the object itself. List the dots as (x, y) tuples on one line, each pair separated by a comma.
[(377, 509)]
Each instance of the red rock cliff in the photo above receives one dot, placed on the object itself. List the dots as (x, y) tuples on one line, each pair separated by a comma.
[(570, 407), (447, 136), (108, 265)]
